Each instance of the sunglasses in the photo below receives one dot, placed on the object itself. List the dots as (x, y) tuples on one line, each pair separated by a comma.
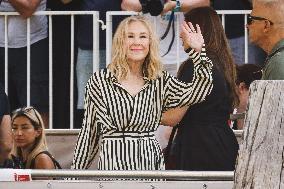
[(251, 18)]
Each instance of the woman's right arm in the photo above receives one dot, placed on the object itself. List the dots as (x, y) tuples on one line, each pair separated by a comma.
[(88, 140), (173, 116)]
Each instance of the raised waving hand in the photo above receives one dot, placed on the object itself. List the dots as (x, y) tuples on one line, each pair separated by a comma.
[(191, 38)]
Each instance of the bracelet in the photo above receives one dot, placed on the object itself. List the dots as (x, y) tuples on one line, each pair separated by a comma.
[(178, 6)]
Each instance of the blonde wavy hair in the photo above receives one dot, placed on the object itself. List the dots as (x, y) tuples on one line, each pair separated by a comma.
[(40, 143), (152, 66)]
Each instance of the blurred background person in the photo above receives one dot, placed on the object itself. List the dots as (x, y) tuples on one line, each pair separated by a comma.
[(246, 74), (204, 141), (6, 140), (17, 54)]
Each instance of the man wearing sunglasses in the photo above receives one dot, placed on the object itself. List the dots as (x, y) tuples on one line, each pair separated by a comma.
[(266, 29)]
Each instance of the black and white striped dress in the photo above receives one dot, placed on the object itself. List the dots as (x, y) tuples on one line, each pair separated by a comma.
[(126, 123)]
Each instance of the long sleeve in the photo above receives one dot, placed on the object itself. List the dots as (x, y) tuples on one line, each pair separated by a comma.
[(179, 94), (88, 140)]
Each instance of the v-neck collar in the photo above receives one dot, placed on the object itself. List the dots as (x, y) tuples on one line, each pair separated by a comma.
[(110, 76)]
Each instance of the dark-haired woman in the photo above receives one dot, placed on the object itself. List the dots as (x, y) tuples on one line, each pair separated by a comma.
[(204, 141), (246, 74)]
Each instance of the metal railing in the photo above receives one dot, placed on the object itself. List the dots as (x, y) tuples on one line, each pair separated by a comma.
[(87, 184), (175, 175), (96, 22)]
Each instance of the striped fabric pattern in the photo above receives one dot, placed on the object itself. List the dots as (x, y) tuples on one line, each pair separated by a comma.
[(121, 127)]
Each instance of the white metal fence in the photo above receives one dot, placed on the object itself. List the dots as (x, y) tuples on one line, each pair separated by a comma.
[(96, 21)]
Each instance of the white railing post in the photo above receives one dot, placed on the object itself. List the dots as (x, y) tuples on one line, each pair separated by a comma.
[(246, 38), (6, 53), (72, 75), (223, 21), (28, 62), (108, 37), (50, 73), (96, 38), (177, 40)]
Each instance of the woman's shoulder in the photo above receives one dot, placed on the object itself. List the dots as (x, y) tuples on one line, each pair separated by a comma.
[(165, 74), (43, 161), (100, 75)]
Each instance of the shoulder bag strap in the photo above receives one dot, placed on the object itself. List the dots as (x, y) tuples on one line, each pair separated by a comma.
[(168, 148)]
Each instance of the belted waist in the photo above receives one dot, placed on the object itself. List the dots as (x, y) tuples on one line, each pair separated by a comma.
[(130, 134)]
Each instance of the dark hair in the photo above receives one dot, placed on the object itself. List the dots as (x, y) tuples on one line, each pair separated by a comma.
[(247, 73), (216, 43)]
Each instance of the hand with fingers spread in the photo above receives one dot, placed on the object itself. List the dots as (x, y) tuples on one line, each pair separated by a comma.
[(191, 38)]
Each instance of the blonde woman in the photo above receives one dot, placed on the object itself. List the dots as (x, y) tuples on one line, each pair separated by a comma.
[(30, 146), (124, 103)]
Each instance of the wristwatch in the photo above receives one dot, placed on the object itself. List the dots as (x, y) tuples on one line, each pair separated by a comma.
[(178, 6)]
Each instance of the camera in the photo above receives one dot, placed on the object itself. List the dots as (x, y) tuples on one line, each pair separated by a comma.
[(154, 7)]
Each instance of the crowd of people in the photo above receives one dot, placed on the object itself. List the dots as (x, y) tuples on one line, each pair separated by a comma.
[(129, 98)]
